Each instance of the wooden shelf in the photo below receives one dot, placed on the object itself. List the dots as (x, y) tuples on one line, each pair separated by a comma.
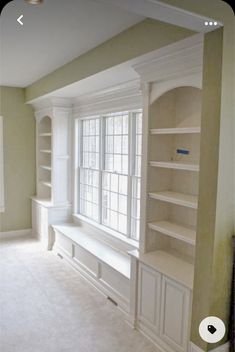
[(175, 165), (45, 167), (45, 151), (169, 263), (176, 130), (49, 134), (174, 230), (186, 200)]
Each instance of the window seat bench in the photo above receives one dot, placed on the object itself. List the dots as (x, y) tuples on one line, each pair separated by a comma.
[(106, 268)]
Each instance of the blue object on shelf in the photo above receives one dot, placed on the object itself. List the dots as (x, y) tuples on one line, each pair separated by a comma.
[(182, 151)]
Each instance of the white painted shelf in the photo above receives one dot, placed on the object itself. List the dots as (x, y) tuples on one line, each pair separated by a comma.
[(186, 200), (169, 263), (45, 151), (175, 165), (48, 184), (49, 134), (176, 130), (45, 167), (180, 232)]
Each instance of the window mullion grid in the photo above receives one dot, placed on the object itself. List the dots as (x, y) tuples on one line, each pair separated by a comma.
[(101, 164), (130, 171)]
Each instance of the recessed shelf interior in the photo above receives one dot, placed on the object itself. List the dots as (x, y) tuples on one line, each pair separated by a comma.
[(177, 108), (44, 158), (181, 232), (45, 134), (175, 130), (174, 157), (172, 197), (179, 148)]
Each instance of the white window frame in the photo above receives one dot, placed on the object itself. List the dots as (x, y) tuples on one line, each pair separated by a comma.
[(131, 175), (2, 200)]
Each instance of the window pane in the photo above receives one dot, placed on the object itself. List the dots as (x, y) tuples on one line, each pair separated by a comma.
[(123, 184), (122, 224), (117, 125), (114, 182), (116, 142), (125, 124), (90, 143), (135, 208), (89, 193), (122, 204), (114, 201)]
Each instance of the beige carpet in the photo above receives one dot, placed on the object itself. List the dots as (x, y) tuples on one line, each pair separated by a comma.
[(46, 306)]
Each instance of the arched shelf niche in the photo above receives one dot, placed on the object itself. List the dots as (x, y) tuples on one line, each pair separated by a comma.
[(176, 107), (44, 157)]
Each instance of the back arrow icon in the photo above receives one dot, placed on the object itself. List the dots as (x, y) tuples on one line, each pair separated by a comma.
[(19, 20)]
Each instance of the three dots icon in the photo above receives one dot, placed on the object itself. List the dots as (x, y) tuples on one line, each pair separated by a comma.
[(211, 23)]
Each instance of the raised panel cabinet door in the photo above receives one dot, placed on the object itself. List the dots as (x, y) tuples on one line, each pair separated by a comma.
[(149, 297), (175, 315)]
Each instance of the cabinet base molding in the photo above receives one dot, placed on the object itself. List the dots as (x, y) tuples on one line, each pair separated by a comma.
[(14, 234), (222, 348), (160, 345)]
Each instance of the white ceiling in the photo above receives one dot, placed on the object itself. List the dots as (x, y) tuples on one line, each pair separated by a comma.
[(53, 34)]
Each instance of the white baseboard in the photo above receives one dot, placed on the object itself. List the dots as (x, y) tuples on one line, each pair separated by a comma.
[(223, 348), (15, 234)]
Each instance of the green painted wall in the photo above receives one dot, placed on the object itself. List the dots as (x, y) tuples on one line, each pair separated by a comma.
[(137, 40), (206, 257), (19, 159)]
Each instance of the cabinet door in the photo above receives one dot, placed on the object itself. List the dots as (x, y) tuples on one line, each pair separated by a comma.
[(149, 296), (175, 315)]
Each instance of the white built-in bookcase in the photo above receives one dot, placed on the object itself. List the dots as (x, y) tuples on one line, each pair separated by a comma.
[(44, 158), (172, 184), (52, 202), (54, 155), (172, 93)]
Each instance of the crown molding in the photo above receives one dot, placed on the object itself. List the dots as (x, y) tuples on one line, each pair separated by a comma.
[(51, 102), (124, 96), (50, 106), (182, 58)]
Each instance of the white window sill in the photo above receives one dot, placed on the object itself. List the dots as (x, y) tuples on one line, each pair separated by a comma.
[(113, 238)]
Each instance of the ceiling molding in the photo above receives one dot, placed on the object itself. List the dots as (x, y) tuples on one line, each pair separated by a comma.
[(49, 106), (166, 13), (122, 97), (183, 58)]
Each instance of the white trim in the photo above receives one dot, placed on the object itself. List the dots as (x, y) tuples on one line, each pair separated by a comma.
[(2, 200), (222, 348), (15, 234), (167, 13), (159, 88), (119, 98), (50, 106), (183, 58), (107, 231), (101, 170)]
